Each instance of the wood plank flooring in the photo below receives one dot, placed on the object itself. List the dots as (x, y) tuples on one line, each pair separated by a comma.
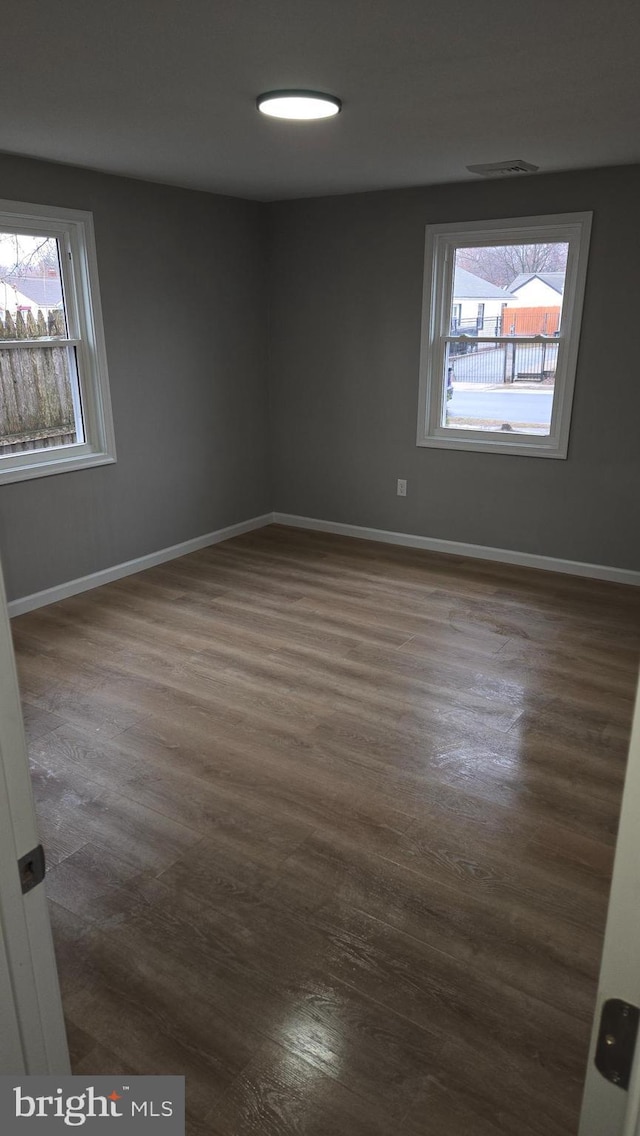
[(330, 829)]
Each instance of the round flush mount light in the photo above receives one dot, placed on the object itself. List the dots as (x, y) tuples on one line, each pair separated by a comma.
[(300, 105)]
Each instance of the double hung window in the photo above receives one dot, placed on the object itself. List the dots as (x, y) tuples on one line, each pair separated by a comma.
[(55, 412), (501, 327)]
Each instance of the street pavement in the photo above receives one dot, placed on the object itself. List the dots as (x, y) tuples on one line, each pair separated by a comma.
[(503, 405)]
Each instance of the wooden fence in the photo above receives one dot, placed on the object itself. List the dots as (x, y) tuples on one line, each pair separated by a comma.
[(530, 321), (36, 403)]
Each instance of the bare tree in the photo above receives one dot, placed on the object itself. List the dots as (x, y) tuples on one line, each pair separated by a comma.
[(502, 263), (34, 259), (46, 258)]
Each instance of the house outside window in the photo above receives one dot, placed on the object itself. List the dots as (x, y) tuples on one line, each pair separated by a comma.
[(55, 412), (501, 326)]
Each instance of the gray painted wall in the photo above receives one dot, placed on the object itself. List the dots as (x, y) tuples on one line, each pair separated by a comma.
[(190, 390), (182, 277), (345, 342)]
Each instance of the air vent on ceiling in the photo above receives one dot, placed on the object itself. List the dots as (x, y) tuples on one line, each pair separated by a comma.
[(499, 169)]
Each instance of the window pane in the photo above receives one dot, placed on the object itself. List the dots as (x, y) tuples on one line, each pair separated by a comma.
[(508, 289), (39, 399), (499, 386), (504, 290), (39, 393), (31, 293)]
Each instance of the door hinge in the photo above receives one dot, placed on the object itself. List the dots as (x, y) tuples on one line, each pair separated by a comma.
[(32, 869), (617, 1041)]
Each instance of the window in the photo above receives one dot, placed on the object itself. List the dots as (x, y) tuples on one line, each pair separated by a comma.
[(501, 324), (55, 411)]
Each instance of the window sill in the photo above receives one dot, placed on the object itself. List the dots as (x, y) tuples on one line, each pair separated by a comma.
[(55, 465), (516, 447)]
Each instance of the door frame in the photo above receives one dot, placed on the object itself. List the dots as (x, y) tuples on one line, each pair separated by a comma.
[(606, 1108), (34, 1033)]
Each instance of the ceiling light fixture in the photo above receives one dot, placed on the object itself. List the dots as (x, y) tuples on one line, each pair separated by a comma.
[(301, 105)]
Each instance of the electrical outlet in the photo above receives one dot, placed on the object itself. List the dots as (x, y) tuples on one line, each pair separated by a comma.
[(402, 487)]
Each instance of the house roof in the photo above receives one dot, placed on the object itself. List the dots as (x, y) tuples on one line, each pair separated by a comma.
[(468, 286), (45, 291), (555, 280)]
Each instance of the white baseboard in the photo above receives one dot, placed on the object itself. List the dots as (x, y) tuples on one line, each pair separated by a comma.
[(456, 548), (129, 567), (409, 540)]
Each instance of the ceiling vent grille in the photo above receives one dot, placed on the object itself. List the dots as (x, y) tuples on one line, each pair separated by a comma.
[(500, 169)]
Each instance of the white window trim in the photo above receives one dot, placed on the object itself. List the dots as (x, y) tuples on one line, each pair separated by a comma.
[(441, 240), (74, 229)]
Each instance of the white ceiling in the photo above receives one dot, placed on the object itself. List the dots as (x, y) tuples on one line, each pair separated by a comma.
[(165, 89)]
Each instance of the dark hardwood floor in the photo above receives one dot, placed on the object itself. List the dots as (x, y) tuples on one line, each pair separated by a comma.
[(330, 829)]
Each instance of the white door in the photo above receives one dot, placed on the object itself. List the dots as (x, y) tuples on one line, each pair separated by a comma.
[(607, 1109), (32, 1033)]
